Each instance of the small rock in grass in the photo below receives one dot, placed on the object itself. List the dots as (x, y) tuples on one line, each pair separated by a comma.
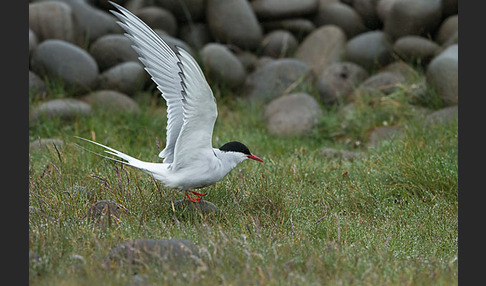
[(339, 154), (172, 254), (202, 207), (105, 212), (385, 133)]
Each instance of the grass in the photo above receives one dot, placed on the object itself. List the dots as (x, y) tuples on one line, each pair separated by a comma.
[(386, 218)]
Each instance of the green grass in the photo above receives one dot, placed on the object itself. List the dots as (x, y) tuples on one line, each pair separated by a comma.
[(386, 218)]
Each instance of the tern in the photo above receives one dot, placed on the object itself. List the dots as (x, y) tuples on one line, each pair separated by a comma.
[(189, 160)]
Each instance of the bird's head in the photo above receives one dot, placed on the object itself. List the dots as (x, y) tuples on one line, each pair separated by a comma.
[(239, 150)]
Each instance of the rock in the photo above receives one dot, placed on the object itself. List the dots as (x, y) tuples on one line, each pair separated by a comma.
[(36, 85), (32, 40), (64, 108), (279, 44), (415, 49), (370, 50), (233, 22), (381, 134), (111, 101), (338, 81), (185, 207), (248, 60), (173, 42), (174, 253), (293, 114), (383, 8), (322, 47), (112, 49), (447, 30), (222, 66), (367, 10), (412, 17), (275, 78), (442, 116), (93, 22), (186, 11), (299, 27), (127, 78), (402, 70), (158, 18), (342, 16), (383, 82), (278, 9), (58, 59), (54, 20), (442, 74), (197, 35), (45, 144), (106, 210), (332, 153)]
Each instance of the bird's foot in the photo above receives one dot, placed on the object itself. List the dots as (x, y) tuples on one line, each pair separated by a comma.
[(195, 200)]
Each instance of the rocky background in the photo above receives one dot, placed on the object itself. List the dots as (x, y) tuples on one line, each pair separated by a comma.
[(270, 51)]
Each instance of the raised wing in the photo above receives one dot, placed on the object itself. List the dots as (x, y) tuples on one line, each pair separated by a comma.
[(200, 113), (164, 66)]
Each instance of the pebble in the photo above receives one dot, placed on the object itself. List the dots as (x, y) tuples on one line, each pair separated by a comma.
[(173, 253), (276, 77), (279, 44), (158, 18), (36, 85), (292, 114), (278, 9), (384, 133), (234, 22), (338, 81), (370, 50), (57, 59), (341, 15), (111, 50), (443, 74), (127, 77), (64, 108), (222, 66), (111, 101), (415, 49), (322, 47)]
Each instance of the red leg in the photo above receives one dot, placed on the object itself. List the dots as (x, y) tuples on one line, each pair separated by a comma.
[(196, 200), (198, 194)]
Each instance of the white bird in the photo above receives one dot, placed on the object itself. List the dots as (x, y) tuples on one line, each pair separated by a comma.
[(189, 160)]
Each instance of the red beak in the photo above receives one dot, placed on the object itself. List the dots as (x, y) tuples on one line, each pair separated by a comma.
[(254, 158)]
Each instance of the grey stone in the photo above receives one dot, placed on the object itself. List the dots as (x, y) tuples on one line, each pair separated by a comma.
[(64, 108), (299, 27), (383, 8), (322, 47), (58, 59), (158, 18), (385, 133), (105, 212), (447, 29), (32, 40), (247, 59), (36, 85), (186, 208), (442, 116), (127, 78), (222, 66), (93, 22), (197, 35), (111, 101), (278, 9), (443, 75), (370, 50), (174, 253), (338, 81), (293, 114), (413, 17), (54, 20), (384, 82), (415, 49), (401, 69), (233, 22), (279, 44), (110, 50), (367, 10), (277, 77), (185, 11), (341, 15), (173, 42), (332, 153)]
